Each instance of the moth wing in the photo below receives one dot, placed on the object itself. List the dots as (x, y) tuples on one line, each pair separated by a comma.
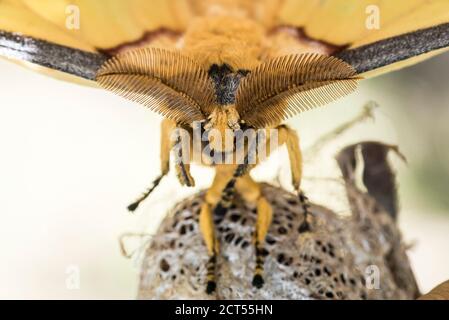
[(89, 26), (102, 24), (352, 23), (343, 22), (16, 17)]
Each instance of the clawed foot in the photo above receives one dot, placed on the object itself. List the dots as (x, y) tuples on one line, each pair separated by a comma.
[(188, 180), (133, 206), (304, 227), (184, 176), (210, 267), (211, 287), (258, 281)]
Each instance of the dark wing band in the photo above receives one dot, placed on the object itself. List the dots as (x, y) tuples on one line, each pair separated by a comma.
[(385, 52), (57, 57), (365, 58)]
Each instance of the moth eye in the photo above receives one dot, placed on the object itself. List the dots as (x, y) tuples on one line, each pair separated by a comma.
[(285, 86), (164, 81)]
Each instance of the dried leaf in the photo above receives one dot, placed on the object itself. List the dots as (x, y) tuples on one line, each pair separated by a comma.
[(378, 177)]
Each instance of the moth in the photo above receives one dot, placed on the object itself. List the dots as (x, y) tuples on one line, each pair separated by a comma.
[(227, 65)]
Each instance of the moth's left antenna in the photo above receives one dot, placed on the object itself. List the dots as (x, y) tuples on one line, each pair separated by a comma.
[(54, 56)]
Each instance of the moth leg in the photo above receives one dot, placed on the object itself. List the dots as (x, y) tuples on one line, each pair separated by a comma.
[(182, 150), (264, 218), (214, 199), (220, 196), (167, 127), (290, 138), (221, 193), (183, 174), (250, 191), (207, 229)]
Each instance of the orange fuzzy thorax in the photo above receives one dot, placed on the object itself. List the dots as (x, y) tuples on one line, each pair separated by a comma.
[(224, 40)]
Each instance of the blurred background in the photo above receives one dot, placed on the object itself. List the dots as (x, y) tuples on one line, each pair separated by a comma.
[(72, 158)]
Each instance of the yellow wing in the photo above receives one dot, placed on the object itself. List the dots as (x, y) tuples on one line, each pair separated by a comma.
[(355, 23), (90, 24), (371, 35)]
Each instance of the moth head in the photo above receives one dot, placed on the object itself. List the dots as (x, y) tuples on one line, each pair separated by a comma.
[(220, 127), (282, 87), (165, 81)]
